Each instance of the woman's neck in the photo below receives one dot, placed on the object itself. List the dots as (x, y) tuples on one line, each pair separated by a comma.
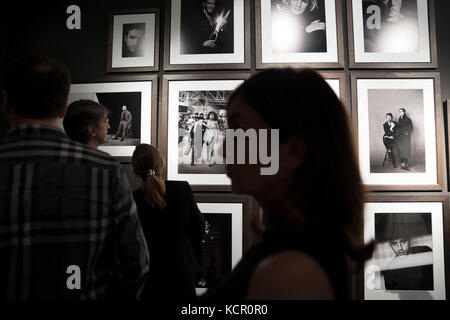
[(281, 215)]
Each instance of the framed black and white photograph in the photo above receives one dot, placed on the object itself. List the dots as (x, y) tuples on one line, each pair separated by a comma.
[(299, 33), (392, 34), (194, 124), (399, 130), (408, 262), (132, 111), (133, 42), (223, 243), (207, 34)]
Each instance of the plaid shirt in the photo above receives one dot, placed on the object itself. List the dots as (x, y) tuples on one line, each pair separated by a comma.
[(65, 204)]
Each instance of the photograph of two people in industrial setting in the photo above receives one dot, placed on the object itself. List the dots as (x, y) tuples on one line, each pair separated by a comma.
[(201, 131)]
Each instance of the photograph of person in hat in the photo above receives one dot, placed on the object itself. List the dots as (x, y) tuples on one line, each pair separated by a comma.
[(408, 250)]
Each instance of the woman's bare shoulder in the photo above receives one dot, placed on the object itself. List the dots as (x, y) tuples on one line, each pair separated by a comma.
[(290, 275)]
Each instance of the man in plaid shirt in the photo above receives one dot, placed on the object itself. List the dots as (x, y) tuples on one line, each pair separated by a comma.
[(68, 222)]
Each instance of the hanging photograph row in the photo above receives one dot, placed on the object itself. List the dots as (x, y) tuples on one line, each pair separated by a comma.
[(213, 34), (397, 121), (410, 235)]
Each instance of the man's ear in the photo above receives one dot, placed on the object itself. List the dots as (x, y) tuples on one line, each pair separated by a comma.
[(91, 131), (63, 113)]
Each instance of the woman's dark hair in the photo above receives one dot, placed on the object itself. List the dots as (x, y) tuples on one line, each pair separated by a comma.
[(327, 189), (216, 117), (80, 116), (389, 114), (148, 163), (403, 109), (37, 87)]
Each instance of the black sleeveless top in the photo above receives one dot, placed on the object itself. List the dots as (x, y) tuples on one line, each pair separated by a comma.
[(320, 245)]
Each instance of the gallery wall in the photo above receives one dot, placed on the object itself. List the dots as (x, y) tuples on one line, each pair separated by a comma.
[(41, 27)]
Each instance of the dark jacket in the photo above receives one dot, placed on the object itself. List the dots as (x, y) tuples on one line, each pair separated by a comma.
[(174, 236), (414, 278), (404, 137)]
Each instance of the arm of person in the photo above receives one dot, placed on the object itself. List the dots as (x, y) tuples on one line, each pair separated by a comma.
[(196, 226), (289, 275), (131, 256)]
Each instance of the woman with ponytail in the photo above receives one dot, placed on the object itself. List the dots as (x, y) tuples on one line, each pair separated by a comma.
[(173, 227)]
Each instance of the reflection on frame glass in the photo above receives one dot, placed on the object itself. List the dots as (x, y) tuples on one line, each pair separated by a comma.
[(131, 107), (408, 262), (399, 131), (133, 40), (206, 34), (305, 33), (392, 33)]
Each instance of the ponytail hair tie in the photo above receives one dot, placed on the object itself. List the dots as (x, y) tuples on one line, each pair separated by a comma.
[(151, 172)]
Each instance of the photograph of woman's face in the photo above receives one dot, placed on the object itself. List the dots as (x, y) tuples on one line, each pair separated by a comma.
[(298, 6)]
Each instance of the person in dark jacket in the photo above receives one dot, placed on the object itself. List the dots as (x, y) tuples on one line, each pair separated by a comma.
[(390, 133), (404, 139), (173, 227), (418, 277)]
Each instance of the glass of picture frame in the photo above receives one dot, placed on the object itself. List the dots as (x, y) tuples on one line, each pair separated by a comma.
[(408, 262), (392, 34), (299, 34), (133, 41), (337, 80), (138, 94), (207, 35), (406, 151), (189, 102), (226, 236)]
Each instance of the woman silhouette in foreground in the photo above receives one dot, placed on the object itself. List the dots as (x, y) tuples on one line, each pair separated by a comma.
[(312, 207)]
